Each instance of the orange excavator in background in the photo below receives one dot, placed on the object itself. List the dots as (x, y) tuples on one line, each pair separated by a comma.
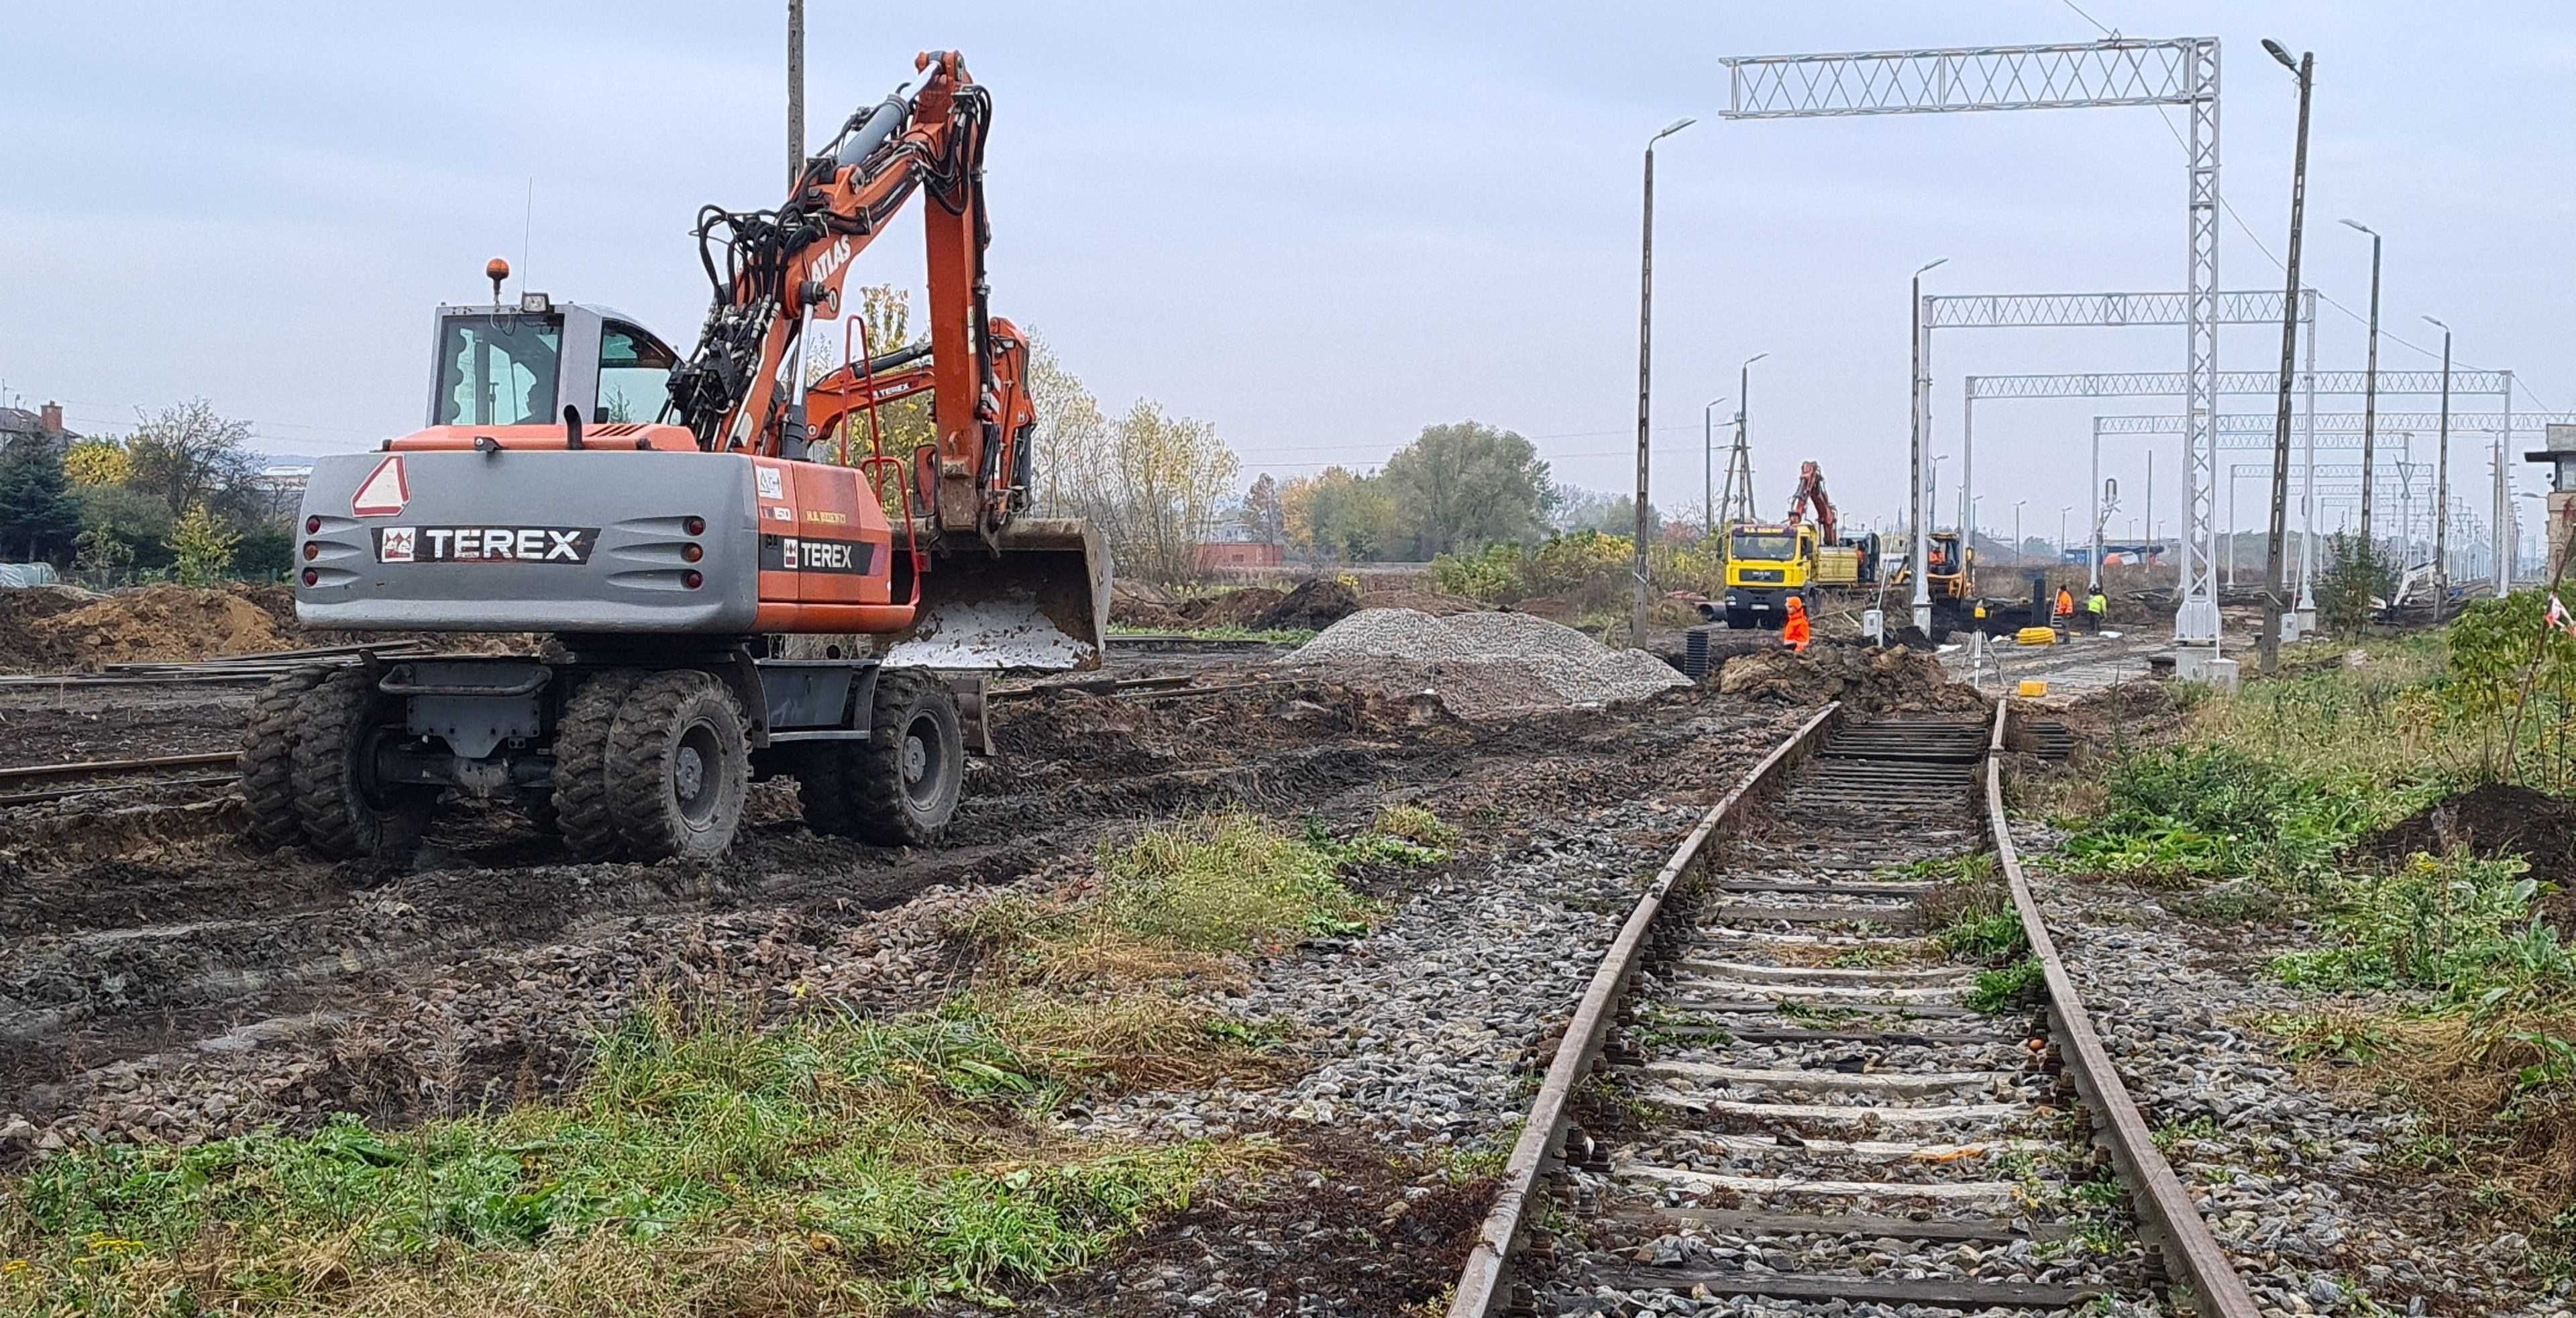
[(743, 585), (1811, 491)]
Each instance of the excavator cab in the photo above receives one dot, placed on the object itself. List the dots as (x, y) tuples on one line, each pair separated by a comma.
[(523, 364)]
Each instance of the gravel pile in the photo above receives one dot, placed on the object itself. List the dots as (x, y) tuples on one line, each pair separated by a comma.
[(1551, 664), (2308, 1190)]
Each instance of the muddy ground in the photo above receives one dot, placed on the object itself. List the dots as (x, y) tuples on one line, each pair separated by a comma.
[(159, 978)]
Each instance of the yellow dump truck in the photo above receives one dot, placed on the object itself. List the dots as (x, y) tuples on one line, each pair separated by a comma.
[(1767, 562)]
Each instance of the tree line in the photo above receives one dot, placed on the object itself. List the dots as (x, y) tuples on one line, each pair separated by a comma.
[(178, 498)]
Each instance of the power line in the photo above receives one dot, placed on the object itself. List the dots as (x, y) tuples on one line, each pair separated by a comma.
[(2257, 239)]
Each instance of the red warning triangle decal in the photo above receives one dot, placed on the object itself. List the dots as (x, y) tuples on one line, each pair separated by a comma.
[(384, 492)]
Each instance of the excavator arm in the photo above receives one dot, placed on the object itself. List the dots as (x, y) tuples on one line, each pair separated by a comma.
[(983, 574), (1811, 492), (777, 273)]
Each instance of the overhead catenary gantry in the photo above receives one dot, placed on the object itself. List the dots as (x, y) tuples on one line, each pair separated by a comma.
[(2094, 311), (2121, 71), (2129, 384)]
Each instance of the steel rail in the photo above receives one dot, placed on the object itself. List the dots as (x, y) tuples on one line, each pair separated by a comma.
[(1484, 1285), (2172, 1223), (96, 768)]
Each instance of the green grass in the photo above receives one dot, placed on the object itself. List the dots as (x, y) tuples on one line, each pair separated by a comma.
[(899, 1155), (2457, 927), (2007, 987), (2200, 811), (2255, 811), (710, 1163), (1988, 938)]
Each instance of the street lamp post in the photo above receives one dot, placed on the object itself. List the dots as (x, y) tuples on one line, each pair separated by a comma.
[(2370, 383), (2017, 503), (1918, 388), (1708, 464), (1645, 371), (1744, 419), (2270, 645), (2442, 486), (2062, 543)]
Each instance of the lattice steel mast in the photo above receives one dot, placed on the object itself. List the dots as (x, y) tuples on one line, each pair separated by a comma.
[(2117, 72)]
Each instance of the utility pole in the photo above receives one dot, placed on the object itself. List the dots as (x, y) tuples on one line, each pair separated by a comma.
[(2442, 487), (2370, 383), (1917, 388), (1708, 464), (2270, 646), (1645, 373), (795, 91), (2017, 503)]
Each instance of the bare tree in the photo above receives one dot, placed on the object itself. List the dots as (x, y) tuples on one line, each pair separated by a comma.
[(189, 455)]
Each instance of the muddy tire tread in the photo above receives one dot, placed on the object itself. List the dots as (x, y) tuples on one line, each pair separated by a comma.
[(638, 747), (874, 768), (267, 759), (580, 795), (330, 715)]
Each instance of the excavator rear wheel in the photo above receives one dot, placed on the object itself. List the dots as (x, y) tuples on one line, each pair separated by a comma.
[(578, 799), (345, 813), (678, 767), (267, 760)]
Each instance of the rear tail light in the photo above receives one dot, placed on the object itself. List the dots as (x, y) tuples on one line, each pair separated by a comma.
[(689, 579), (313, 525), (694, 525), (692, 553), (312, 550), (312, 578)]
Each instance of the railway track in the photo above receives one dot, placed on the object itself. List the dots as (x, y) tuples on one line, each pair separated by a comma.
[(39, 783), (35, 783), (1778, 1095)]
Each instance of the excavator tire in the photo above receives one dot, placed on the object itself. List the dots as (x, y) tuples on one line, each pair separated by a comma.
[(346, 816), (578, 801), (901, 784), (267, 760), (678, 767)]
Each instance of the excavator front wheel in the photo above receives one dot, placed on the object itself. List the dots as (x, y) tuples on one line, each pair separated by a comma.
[(678, 767), (899, 787)]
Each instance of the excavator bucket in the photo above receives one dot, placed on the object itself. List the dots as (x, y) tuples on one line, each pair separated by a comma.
[(1039, 601)]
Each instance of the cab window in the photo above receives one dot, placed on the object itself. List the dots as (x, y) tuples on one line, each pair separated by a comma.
[(497, 370), (634, 375)]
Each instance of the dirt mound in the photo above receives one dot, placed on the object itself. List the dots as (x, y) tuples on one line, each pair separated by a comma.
[(2127, 712), (1316, 603), (155, 623), (1868, 681), (2497, 819), (21, 609), (1135, 604)]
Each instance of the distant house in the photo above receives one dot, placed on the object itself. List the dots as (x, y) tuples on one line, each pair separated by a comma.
[(42, 426)]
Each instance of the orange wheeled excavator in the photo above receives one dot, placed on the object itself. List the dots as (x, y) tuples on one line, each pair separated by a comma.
[(747, 584)]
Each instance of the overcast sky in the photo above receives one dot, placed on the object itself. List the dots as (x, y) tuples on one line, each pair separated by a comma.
[(1319, 226)]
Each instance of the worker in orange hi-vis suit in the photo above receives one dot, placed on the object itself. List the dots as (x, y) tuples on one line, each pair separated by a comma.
[(1794, 630)]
